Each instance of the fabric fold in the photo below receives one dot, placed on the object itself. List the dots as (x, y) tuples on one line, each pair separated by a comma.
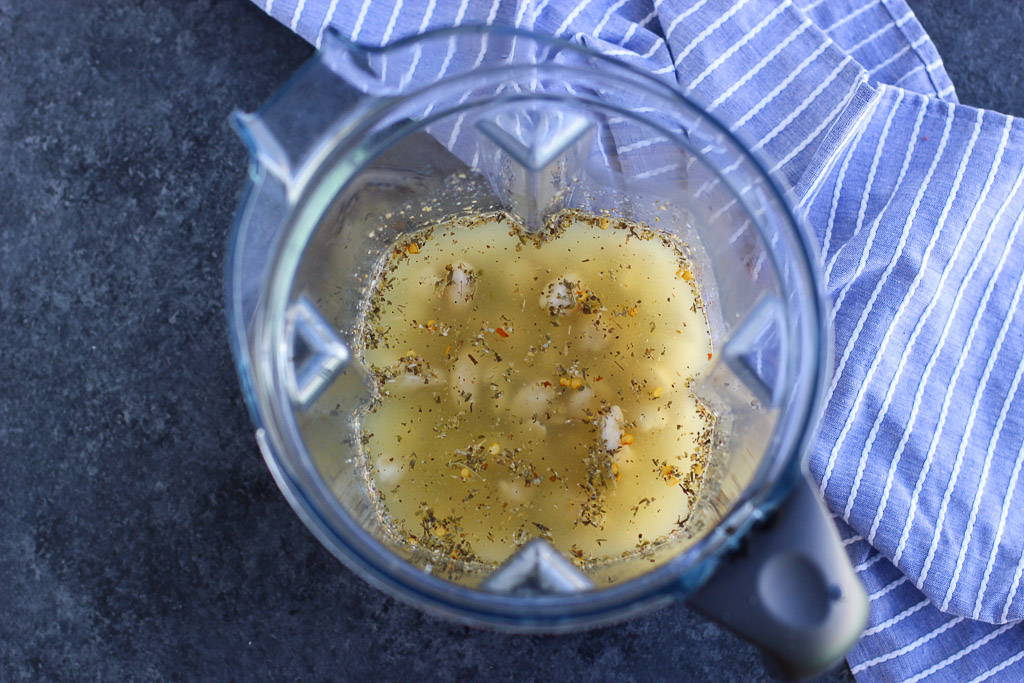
[(920, 436)]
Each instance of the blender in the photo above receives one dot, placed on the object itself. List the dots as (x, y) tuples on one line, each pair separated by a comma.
[(365, 145)]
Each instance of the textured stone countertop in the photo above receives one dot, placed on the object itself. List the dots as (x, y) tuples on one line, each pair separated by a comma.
[(141, 536)]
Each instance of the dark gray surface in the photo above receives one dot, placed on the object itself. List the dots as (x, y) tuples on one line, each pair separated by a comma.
[(981, 43), (141, 537)]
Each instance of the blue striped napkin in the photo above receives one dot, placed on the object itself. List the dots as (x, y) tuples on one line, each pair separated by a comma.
[(917, 204)]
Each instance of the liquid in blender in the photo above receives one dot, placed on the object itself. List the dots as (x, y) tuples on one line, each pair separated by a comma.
[(534, 384)]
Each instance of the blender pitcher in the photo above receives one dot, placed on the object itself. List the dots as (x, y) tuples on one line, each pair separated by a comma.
[(365, 145)]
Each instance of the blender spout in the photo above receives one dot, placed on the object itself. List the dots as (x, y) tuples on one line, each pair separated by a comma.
[(289, 135)]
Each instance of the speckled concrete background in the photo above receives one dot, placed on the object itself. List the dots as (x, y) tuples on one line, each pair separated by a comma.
[(141, 536)]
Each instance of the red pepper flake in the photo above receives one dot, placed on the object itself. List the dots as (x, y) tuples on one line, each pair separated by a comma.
[(501, 333), (709, 356), (599, 378), (476, 362), (546, 383)]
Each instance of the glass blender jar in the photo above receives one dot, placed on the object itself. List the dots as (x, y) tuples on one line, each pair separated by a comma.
[(472, 120)]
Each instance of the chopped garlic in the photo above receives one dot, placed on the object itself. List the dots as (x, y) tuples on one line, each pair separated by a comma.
[(611, 429), (461, 284), (557, 297)]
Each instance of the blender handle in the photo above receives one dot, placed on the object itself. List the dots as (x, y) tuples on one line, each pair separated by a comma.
[(790, 589)]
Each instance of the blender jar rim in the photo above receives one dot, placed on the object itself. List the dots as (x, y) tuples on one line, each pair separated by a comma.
[(356, 547)]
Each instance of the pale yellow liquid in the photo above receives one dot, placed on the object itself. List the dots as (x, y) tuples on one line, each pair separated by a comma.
[(535, 387)]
